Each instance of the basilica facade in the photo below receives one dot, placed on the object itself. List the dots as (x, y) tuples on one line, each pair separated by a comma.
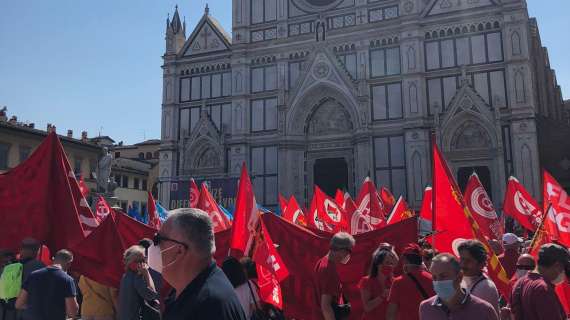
[(328, 92)]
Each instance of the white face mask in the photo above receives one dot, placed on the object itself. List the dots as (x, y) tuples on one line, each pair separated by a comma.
[(346, 259), (155, 258), (521, 273), (560, 279)]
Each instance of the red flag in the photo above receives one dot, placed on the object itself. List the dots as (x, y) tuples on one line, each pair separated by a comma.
[(102, 209), (400, 212), (153, 219), (329, 212), (479, 203), (266, 255), (387, 198), (456, 222), (83, 187), (131, 230), (557, 224), (294, 214), (520, 205), (269, 288), (207, 203), (282, 203), (449, 217), (427, 204), (194, 194), (369, 204), (100, 255), (37, 193), (554, 193), (541, 237), (246, 215)]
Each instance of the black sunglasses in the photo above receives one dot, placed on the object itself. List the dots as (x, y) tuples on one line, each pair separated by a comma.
[(521, 267), (158, 238)]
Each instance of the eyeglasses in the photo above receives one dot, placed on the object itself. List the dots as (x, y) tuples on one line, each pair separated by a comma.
[(158, 238), (522, 267)]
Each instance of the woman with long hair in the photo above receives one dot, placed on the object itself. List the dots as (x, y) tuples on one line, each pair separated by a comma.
[(375, 286)]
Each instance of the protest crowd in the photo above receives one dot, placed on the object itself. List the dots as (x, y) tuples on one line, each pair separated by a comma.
[(368, 258)]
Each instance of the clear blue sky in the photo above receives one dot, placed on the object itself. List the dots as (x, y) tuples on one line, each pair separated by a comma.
[(85, 64)]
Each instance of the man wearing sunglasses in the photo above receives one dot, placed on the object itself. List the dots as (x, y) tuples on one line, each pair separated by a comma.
[(182, 252)]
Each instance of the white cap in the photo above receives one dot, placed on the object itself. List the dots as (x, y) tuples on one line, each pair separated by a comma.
[(511, 238)]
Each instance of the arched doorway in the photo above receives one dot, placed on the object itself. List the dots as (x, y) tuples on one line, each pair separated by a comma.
[(331, 174)]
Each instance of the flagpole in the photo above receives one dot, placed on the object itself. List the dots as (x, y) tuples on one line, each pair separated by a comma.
[(433, 189), (539, 230)]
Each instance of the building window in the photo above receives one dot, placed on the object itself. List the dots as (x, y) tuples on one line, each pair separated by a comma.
[(155, 155), (263, 114), (77, 166), (294, 73), (349, 62), (385, 62), (390, 163), (25, 153), (264, 175), (387, 101), (117, 154), (4, 149), (206, 86), (221, 115), (141, 155), (149, 155), (263, 11), (264, 78), (136, 183), (440, 92), (125, 182), (475, 49), (144, 185)]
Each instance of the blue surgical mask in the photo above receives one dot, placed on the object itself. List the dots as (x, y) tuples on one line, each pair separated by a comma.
[(444, 289)]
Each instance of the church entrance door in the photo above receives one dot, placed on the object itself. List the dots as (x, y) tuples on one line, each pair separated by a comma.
[(331, 174)]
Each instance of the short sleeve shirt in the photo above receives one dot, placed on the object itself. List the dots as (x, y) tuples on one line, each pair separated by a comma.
[(47, 290), (533, 298), (406, 295), (327, 280), (376, 290), (471, 308)]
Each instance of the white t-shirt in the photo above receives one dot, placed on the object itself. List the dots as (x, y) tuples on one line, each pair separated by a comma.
[(245, 298)]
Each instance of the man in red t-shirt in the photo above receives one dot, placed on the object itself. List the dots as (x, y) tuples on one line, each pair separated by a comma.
[(533, 297), (411, 288), (328, 288)]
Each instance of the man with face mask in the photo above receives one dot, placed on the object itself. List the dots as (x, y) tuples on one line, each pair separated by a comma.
[(49, 293), (183, 253), (473, 259), (451, 301), (411, 288), (533, 297), (329, 291)]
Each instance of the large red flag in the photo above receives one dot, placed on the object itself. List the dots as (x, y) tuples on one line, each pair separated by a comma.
[(194, 194), (282, 203), (269, 288), (427, 205), (339, 198), (520, 205), (100, 255), (387, 199), (456, 222), (478, 202), (37, 193), (246, 215), (207, 203), (266, 255), (369, 204), (294, 214), (131, 230), (554, 193), (329, 212), (359, 223), (102, 209), (449, 218), (557, 224), (153, 219), (400, 212)]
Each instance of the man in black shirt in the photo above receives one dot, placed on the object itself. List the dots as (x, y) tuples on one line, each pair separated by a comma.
[(182, 252)]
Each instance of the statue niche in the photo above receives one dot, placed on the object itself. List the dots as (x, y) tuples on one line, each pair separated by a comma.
[(471, 135), (329, 118)]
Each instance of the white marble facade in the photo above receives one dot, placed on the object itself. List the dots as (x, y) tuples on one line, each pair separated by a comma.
[(362, 80)]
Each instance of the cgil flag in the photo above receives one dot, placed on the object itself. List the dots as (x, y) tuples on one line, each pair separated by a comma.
[(520, 205), (194, 194), (480, 204), (207, 203)]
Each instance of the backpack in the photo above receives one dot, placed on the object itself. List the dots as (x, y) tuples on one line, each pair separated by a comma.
[(11, 281)]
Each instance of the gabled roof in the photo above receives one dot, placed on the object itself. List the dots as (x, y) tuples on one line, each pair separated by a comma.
[(208, 36), (436, 7)]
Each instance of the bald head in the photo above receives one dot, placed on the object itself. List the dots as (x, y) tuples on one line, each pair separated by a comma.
[(526, 260), (445, 266)]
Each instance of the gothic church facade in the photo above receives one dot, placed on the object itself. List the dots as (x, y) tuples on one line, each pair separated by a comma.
[(329, 92)]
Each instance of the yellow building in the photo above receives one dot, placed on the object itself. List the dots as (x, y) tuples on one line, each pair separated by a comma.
[(18, 141)]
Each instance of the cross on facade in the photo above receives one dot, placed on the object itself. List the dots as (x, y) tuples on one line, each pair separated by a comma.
[(205, 36)]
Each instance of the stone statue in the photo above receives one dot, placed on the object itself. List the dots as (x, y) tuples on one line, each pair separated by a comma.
[(104, 170)]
